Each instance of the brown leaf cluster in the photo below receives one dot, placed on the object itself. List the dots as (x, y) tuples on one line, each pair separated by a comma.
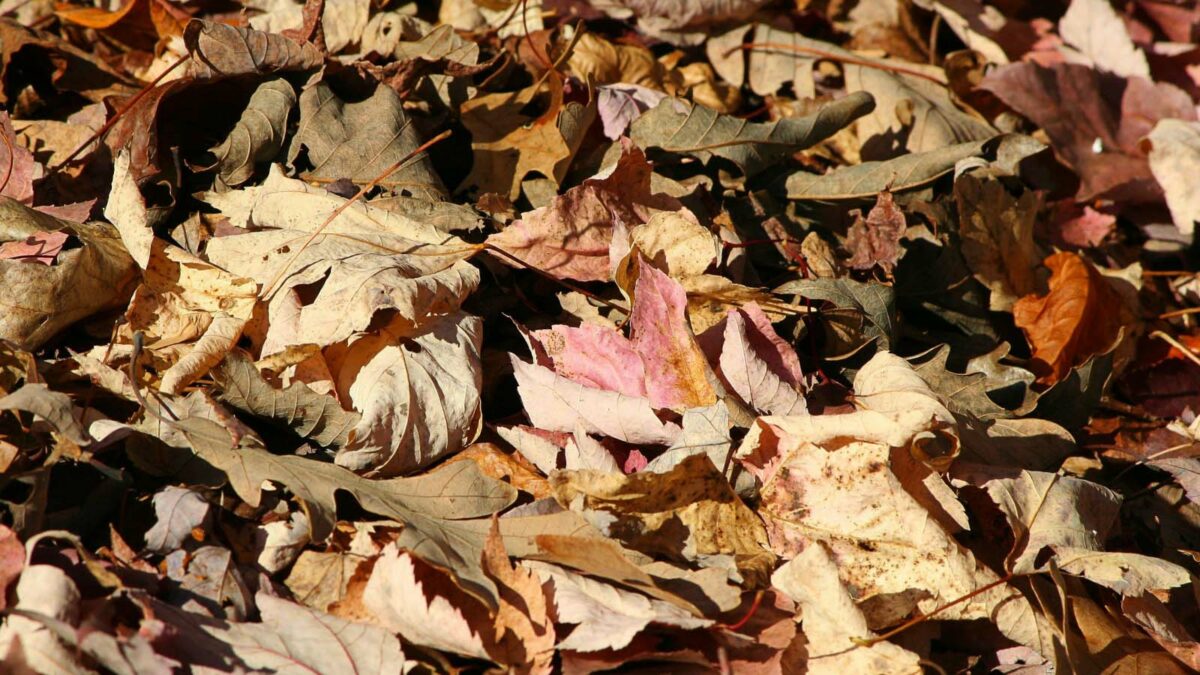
[(629, 336)]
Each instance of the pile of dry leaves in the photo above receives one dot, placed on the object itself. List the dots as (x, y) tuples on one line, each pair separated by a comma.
[(562, 336)]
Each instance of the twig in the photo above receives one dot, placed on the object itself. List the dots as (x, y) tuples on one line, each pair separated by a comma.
[(1191, 355), (830, 56), (103, 131)]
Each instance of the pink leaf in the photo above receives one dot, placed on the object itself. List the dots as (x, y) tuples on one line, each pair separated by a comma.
[(570, 237), (676, 372), (41, 247)]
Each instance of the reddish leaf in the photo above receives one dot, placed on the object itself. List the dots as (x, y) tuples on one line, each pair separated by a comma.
[(1079, 318), (876, 239)]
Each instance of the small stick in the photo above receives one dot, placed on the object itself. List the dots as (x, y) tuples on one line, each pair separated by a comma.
[(830, 56), (103, 131), (1191, 355)]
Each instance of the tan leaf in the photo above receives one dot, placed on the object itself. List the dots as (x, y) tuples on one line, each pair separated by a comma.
[(96, 276), (419, 397), (191, 312), (676, 243), (524, 630), (509, 145), (607, 617), (832, 621), (645, 511), (422, 605), (1174, 151)]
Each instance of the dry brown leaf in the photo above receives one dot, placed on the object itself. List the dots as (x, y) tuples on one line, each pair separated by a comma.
[(997, 236), (525, 636), (646, 512), (1080, 317), (509, 145), (599, 61)]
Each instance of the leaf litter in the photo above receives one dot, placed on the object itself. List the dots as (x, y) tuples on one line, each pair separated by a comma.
[(573, 337)]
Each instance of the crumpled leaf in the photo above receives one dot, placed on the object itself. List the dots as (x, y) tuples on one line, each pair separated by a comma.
[(178, 511), (875, 240), (997, 238), (646, 511), (369, 260), (259, 134), (1080, 317), (309, 414), (219, 50), (191, 312), (85, 280), (419, 398), (701, 132), (672, 15), (359, 141), (570, 238)]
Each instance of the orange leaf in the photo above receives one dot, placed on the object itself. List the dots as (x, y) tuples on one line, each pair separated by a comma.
[(1080, 317)]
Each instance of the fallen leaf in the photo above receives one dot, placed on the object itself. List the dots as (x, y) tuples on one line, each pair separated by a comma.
[(606, 616), (688, 513), (876, 239), (1098, 34), (219, 50), (570, 238), (997, 238), (509, 145), (1080, 317), (359, 141), (259, 134), (53, 296), (1045, 509), (417, 601), (293, 636), (178, 512), (1174, 154), (691, 129), (831, 621)]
